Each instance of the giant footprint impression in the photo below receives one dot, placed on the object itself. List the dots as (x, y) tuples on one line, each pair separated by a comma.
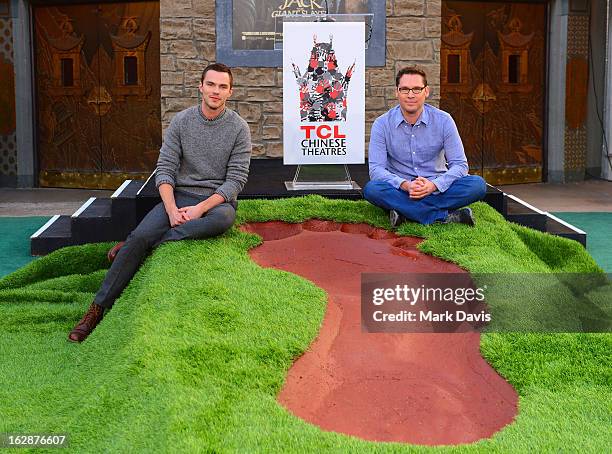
[(422, 388)]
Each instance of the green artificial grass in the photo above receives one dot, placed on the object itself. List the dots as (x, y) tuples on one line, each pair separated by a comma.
[(198, 345)]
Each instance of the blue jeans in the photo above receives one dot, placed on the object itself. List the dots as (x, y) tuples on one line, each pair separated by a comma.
[(155, 229), (429, 209)]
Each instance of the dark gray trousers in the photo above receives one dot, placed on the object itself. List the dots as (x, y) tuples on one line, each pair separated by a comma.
[(155, 229)]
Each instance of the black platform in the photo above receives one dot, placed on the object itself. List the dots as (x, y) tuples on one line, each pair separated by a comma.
[(111, 219)]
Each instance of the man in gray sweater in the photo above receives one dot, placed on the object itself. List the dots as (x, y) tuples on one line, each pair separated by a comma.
[(203, 164)]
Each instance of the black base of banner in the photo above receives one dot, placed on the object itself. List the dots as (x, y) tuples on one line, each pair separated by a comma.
[(267, 181)]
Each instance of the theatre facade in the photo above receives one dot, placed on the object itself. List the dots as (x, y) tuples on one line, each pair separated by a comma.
[(88, 87)]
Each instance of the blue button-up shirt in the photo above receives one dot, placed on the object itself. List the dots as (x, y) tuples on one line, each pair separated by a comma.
[(430, 148)]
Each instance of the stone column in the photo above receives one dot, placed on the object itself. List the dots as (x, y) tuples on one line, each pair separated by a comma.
[(24, 94), (556, 90), (597, 87)]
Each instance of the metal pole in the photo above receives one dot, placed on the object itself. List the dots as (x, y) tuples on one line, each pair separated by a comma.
[(606, 164)]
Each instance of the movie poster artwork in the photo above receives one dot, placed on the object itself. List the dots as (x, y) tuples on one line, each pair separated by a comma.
[(256, 23), (323, 93)]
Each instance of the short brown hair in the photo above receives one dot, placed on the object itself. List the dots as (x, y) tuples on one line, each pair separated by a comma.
[(220, 68), (410, 70)]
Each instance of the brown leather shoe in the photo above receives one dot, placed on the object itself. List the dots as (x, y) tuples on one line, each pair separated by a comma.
[(87, 324), (112, 253)]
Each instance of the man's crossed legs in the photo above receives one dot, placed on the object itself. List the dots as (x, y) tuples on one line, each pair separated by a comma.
[(153, 230), (431, 208)]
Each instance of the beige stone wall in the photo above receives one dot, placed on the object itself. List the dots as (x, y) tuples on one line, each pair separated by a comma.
[(188, 45)]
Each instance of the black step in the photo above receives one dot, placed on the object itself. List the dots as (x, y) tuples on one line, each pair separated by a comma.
[(129, 189), (524, 214), (495, 199), (124, 206), (148, 197), (92, 223), (559, 227), (54, 234)]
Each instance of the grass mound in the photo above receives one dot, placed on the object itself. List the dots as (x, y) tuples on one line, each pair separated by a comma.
[(197, 347)]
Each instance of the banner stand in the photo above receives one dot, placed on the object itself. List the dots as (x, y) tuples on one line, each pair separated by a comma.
[(322, 177), (323, 101)]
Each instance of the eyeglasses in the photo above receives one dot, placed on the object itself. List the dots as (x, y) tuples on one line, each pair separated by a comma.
[(415, 90)]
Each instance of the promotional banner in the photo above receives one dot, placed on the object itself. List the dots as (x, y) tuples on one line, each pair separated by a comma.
[(323, 93)]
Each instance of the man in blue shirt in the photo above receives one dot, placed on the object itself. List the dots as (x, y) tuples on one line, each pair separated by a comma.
[(418, 169)]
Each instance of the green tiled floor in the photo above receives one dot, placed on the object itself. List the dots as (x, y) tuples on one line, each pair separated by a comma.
[(15, 241), (598, 227)]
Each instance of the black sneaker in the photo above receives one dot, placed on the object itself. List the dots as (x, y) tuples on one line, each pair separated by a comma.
[(396, 218), (462, 216)]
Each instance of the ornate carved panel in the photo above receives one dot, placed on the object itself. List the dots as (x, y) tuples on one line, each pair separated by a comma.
[(514, 47), (98, 92), (130, 48), (7, 88), (8, 138), (455, 52), (498, 104)]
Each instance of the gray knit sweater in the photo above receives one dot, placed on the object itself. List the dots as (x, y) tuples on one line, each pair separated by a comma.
[(203, 157)]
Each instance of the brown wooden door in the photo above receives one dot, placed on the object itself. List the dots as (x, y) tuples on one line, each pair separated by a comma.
[(493, 84), (98, 93)]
